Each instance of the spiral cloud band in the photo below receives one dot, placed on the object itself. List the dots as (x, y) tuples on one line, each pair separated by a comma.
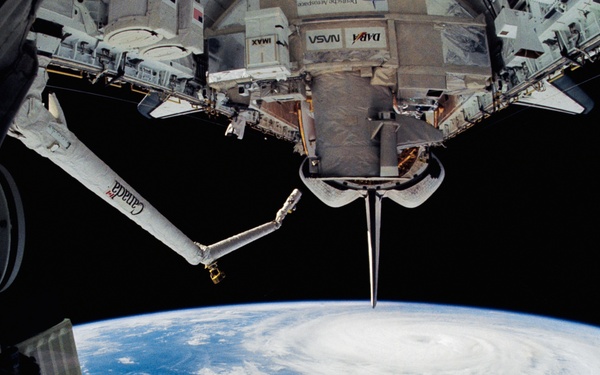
[(339, 338)]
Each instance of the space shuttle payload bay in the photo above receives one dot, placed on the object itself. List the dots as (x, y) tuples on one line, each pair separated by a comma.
[(365, 90)]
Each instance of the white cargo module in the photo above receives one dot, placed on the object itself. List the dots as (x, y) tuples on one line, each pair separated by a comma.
[(139, 23), (267, 48), (160, 29), (189, 38)]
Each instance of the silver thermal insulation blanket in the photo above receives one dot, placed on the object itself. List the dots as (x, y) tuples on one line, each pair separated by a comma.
[(342, 103), (377, 56), (465, 45), (348, 143), (45, 131), (446, 8), (413, 132)]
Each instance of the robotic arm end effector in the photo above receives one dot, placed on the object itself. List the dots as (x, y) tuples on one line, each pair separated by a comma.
[(289, 206)]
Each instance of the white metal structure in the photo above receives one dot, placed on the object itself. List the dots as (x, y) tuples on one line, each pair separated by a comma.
[(365, 89)]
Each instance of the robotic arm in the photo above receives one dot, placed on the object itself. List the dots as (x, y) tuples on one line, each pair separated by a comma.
[(44, 130), (215, 251)]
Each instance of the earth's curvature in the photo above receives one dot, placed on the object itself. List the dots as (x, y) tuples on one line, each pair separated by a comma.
[(338, 338)]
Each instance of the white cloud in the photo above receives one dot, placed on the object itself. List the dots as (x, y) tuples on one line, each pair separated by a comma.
[(126, 361), (249, 368), (198, 338), (442, 342)]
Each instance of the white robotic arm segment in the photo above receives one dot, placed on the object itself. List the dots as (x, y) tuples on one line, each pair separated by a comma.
[(210, 254), (215, 251), (289, 206), (45, 131)]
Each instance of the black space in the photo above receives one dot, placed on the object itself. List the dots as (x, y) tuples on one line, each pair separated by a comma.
[(512, 227)]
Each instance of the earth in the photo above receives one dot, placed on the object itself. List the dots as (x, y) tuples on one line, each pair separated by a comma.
[(338, 338)]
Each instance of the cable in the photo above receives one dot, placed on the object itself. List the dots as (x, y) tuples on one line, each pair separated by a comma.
[(207, 120)]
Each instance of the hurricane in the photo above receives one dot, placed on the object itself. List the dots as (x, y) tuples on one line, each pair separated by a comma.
[(338, 337)]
